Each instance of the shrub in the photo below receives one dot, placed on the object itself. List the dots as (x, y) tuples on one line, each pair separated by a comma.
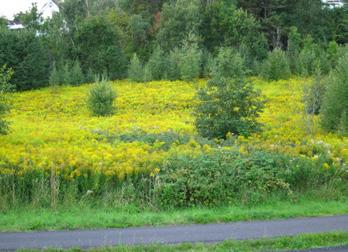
[(313, 95), (228, 64), (228, 106), (335, 105), (276, 66), (101, 98), (5, 86), (135, 71), (76, 75), (223, 177)]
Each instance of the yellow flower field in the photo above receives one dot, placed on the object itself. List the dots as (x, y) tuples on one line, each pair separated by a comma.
[(52, 129)]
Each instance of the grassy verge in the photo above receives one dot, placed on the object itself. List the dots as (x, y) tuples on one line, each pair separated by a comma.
[(83, 217), (299, 242)]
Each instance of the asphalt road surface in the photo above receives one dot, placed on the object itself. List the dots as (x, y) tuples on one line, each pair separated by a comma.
[(173, 234)]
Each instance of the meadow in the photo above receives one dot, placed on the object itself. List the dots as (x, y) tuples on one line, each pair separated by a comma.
[(58, 153)]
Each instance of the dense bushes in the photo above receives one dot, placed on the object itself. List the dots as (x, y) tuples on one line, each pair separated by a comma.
[(100, 49), (335, 106), (228, 64), (5, 86), (223, 177), (214, 178), (276, 66), (101, 98), (25, 53)]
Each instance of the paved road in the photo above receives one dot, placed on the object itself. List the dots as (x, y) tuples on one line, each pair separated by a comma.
[(172, 234)]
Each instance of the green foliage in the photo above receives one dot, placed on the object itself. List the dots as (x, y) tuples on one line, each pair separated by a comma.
[(66, 74), (178, 18), (55, 76), (294, 48), (228, 64), (25, 53), (5, 86), (276, 66), (223, 24), (314, 94), (224, 177), (100, 49), (76, 75), (190, 61), (89, 77), (157, 65), (228, 106), (333, 53), (136, 70), (335, 106), (101, 98)]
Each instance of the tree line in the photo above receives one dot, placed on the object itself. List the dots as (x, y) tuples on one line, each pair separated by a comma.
[(167, 39)]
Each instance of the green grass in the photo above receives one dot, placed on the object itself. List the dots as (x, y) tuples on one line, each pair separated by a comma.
[(84, 217), (277, 244)]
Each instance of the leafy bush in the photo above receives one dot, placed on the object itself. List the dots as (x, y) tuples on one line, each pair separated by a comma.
[(223, 177), (335, 105), (136, 71), (313, 95), (5, 86), (101, 98), (228, 64), (228, 106), (276, 66)]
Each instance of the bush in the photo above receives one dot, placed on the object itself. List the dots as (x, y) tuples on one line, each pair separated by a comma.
[(223, 177), (313, 95), (228, 64), (5, 86), (135, 71), (276, 66), (335, 105), (101, 98), (228, 106)]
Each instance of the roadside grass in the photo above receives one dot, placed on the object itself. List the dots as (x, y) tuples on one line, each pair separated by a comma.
[(299, 242), (87, 217)]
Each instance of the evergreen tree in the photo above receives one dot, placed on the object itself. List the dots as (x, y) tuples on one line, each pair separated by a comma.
[(135, 71), (76, 74)]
